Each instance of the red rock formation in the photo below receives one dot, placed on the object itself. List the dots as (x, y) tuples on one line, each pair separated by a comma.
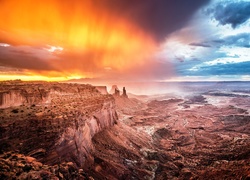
[(117, 92), (102, 89), (114, 89), (165, 138), (11, 98), (124, 93), (16, 95), (18, 166), (60, 129)]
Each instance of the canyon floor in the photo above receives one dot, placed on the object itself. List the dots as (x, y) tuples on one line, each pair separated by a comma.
[(197, 136)]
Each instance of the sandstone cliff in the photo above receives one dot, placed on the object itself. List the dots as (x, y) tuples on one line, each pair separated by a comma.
[(53, 122), (114, 89), (124, 93), (20, 94), (102, 89)]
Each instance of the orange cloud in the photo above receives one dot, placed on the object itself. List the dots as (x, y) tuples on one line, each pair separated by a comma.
[(92, 38)]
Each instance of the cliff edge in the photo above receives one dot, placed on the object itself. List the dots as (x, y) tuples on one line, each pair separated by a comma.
[(53, 122)]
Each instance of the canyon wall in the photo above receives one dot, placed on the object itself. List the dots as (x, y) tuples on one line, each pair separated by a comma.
[(53, 122), (11, 98), (102, 89), (19, 94)]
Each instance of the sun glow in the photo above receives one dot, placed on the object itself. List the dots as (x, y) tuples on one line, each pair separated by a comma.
[(31, 78), (75, 27)]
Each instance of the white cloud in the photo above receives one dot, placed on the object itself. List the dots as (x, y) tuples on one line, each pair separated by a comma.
[(226, 60), (177, 48), (220, 61), (240, 52), (245, 77)]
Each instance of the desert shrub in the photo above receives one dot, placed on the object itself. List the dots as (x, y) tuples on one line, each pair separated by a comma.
[(15, 111)]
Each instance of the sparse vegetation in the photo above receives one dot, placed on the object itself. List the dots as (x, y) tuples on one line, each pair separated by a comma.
[(15, 111)]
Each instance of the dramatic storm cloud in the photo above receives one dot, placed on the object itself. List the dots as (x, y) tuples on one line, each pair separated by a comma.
[(214, 45), (233, 13), (124, 40), (90, 39), (158, 17)]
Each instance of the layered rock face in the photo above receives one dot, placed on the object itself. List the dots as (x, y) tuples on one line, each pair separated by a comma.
[(11, 95), (11, 98), (114, 90), (53, 122), (124, 93), (102, 89)]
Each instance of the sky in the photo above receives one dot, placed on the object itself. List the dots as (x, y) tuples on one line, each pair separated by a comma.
[(125, 40)]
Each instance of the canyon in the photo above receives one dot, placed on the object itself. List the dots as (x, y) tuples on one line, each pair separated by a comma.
[(79, 131), (53, 122)]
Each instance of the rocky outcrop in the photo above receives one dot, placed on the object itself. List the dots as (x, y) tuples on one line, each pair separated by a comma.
[(16, 95), (60, 126), (75, 143), (124, 93), (18, 166), (11, 98), (117, 92), (102, 89), (114, 90)]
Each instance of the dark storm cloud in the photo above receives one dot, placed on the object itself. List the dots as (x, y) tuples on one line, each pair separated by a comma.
[(158, 17), (234, 13), (239, 40), (151, 18), (218, 41), (180, 58), (22, 60), (200, 44)]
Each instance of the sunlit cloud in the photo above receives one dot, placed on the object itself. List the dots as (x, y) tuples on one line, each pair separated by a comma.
[(124, 40), (85, 37), (31, 77), (54, 48), (240, 52), (4, 45), (94, 39)]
